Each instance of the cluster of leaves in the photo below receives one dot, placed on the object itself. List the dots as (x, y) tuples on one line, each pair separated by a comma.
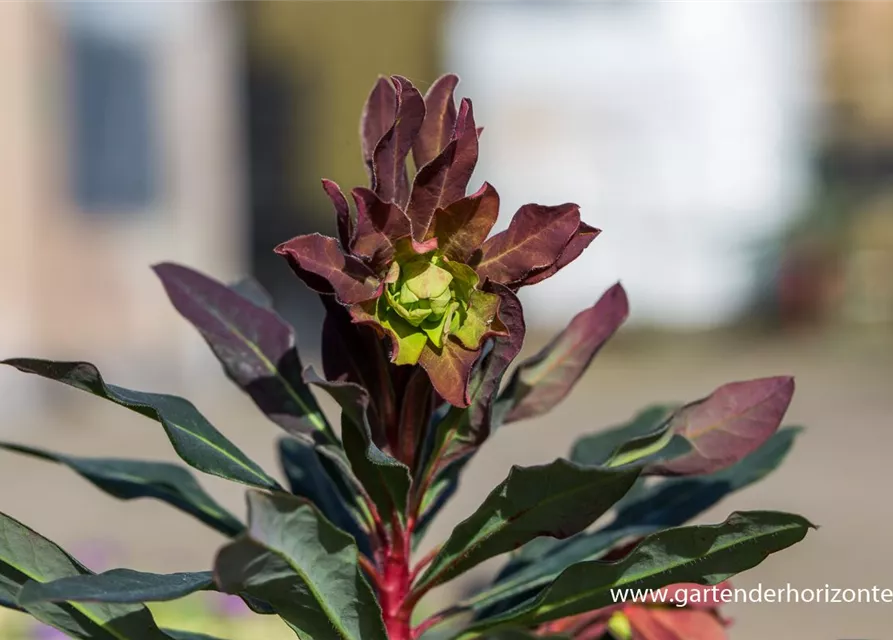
[(422, 323)]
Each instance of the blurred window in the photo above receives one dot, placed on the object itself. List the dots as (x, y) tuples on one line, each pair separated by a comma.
[(112, 155)]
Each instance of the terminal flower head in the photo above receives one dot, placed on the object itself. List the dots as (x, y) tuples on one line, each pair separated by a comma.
[(417, 262)]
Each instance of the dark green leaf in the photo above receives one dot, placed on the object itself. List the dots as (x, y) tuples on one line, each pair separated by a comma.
[(27, 556), (121, 586), (559, 500), (702, 555), (176, 634), (255, 346), (309, 477), (599, 448), (384, 478), (195, 439), (305, 568), (130, 479)]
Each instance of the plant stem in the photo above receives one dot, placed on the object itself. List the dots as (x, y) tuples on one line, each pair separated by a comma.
[(396, 581)]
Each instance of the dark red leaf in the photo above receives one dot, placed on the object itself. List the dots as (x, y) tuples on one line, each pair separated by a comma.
[(325, 268), (342, 212), (463, 226), (418, 398), (449, 369), (389, 159), (582, 238), (730, 423), (379, 225), (534, 240), (440, 120), (377, 118), (255, 346), (660, 623), (542, 381), (445, 179)]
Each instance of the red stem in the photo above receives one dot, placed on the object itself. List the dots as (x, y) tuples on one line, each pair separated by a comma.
[(395, 583)]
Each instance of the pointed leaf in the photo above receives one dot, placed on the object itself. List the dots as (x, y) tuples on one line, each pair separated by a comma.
[(27, 556), (542, 381), (377, 117), (464, 225), (578, 243), (255, 346), (385, 479), (320, 263), (389, 157), (534, 240), (379, 225), (118, 586), (598, 448), (309, 477), (559, 500), (131, 479), (729, 424), (702, 554), (440, 120), (444, 180), (194, 439), (344, 223), (304, 567), (449, 369)]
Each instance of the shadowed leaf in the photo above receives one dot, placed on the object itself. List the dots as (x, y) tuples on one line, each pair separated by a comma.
[(130, 479), (449, 369), (727, 425), (194, 439), (305, 568), (701, 554), (255, 346), (118, 586), (27, 556), (534, 240), (344, 223), (542, 381), (598, 448), (379, 225), (559, 500)]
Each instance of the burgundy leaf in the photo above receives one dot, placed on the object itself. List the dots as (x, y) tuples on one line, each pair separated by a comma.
[(497, 361), (319, 261), (418, 398), (445, 179), (449, 369), (355, 353), (379, 225), (342, 211), (582, 238), (389, 159), (440, 120), (730, 423), (463, 226), (542, 381), (534, 240), (255, 346), (377, 118)]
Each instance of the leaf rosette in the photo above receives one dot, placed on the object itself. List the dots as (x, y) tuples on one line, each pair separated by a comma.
[(415, 261)]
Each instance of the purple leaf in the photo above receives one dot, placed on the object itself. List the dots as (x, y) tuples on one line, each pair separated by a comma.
[(377, 118), (389, 158), (730, 423), (582, 238), (440, 120), (342, 211), (255, 346), (543, 381), (449, 369), (445, 179), (379, 225), (418, 398), (463, 226), (534, 240), (321, 264)]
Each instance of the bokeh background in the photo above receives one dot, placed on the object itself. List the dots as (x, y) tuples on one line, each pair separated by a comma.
[(737, 155)]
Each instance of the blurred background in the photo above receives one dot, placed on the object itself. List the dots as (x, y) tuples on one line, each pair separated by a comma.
[(737, 155)]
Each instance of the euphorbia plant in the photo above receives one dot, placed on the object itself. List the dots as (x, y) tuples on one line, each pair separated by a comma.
[(422, 322)]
